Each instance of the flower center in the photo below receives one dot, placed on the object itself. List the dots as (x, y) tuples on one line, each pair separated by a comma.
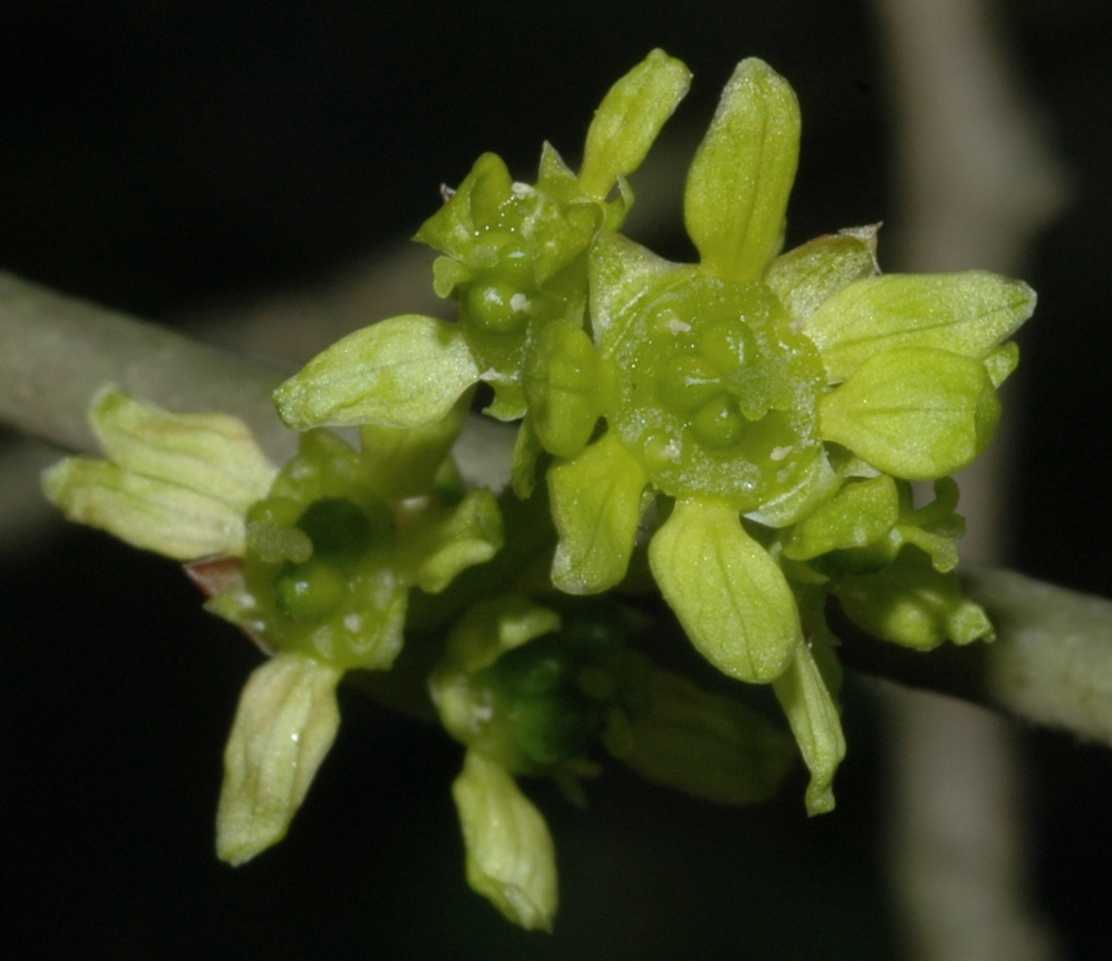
[(719, 394)]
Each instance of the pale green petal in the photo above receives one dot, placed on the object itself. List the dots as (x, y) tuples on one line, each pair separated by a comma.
[(805, 277), (284, 726), (916, 412), (727, 592), (814, 721), (596, 506), (212, 454), (706, 745), (862, 512), (511, 860), (151, 514), (968, 313), (442, 548), (402, 372), (738, 185), (629, 119)]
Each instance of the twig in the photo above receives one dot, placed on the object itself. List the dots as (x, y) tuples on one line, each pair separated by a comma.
[(1052, 663)]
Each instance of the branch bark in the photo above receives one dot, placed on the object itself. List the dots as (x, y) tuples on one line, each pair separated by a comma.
[(1051, 663)]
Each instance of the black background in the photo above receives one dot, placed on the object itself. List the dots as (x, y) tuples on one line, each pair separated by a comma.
[(159, 156)]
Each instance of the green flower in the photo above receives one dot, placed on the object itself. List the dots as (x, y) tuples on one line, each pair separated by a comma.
[(333, 552), (752, 420), (778, 387), (533, 691), (315, 562), (330, 561), (514, 258)]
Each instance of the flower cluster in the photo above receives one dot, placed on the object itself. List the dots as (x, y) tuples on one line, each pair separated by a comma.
[(739, 435), (753, 421)]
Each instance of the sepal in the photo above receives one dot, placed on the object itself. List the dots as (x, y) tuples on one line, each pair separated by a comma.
[(629, 119), (861, 513), (728, 593), (914, 412), (456, 229), (526, 453), (154, 515), (968, 314), (284, 727), (622, 275), (813, 717), (596, 506), (911, 604), (441, 545), (511, 860), (807, 276), (705, 745), (403, 372), (738, 185)]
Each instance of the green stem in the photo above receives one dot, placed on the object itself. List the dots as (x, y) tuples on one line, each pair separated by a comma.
[(1051, 663)]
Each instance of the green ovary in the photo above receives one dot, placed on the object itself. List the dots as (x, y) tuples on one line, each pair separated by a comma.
[(498, 304), (495, 308), (536, 695), (318, 604), (717, 394), (548, 699)]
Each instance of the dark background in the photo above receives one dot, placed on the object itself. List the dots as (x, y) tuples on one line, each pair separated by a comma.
[(159, 157)]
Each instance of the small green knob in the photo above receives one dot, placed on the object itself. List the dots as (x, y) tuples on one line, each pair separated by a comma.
[(311, 591)]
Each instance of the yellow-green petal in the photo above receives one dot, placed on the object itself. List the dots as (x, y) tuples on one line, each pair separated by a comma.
[(563, 387), (629, 119), (738, 185), (916, 412), (967, 313), (728, 593), (212, 454), (813, 717), (406, 371), (511, 860), (284, 726), (808, 275), (403, 462), (596, 506), (703, 744), (151, 514)]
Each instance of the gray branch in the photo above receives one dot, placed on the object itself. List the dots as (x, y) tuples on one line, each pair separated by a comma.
[(1051, 664)]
